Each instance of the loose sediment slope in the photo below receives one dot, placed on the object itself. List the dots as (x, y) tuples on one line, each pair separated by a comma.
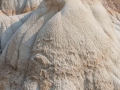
[(62, 45)]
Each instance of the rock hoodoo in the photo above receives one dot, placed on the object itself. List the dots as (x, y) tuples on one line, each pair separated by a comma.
[(59, 45)]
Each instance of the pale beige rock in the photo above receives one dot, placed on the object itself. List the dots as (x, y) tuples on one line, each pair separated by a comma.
[(62, 45), (13, 7)]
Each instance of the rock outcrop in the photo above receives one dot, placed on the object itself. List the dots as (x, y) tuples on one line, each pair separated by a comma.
[(13, 7), (61, 45)]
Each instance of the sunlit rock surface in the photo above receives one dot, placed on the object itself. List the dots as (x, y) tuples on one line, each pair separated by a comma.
[(59, 45)]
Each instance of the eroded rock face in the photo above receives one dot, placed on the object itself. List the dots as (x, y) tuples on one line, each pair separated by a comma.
[(62, 45), (113, 4), (13, 7)]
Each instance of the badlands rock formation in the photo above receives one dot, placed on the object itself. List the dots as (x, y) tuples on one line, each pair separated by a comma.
[(13, 7), (60, 45), (113, 4)]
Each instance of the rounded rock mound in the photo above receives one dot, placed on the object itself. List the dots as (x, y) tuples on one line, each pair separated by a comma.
[(62, 45)]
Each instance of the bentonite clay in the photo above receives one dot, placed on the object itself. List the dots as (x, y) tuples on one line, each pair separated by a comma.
[(59, 45)]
